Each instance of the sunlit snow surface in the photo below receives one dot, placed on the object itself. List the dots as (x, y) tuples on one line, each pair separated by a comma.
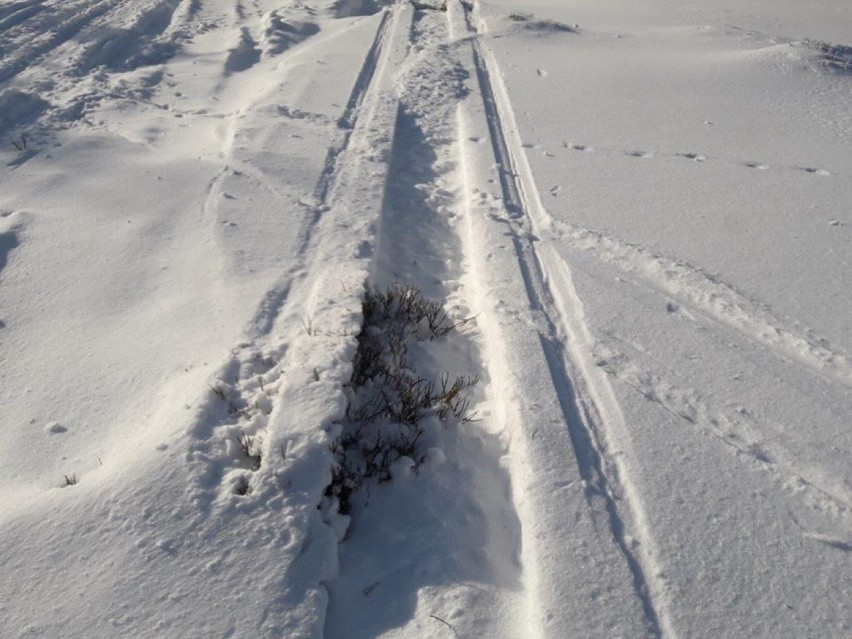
[(642, 209)]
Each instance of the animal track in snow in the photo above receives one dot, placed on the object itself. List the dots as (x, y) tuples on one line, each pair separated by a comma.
[(690, 155), (577, 147), (814, 171)]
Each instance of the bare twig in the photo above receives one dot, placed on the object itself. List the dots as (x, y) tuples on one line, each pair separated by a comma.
[(446, 624)]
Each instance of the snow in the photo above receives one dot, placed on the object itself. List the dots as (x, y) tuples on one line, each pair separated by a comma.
[(635, 214)]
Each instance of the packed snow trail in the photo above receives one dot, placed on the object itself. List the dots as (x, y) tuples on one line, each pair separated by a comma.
[(556, 313)]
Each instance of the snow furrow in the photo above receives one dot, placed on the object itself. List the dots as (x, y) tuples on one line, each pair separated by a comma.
[(594, 421), (18, 13), (393, 579), (349, 118), (140, 41), (288, 305), (17, 7)]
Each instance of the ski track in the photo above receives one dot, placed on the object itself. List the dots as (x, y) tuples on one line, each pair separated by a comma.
[(588, 402), (711, 297), (702, 297), (348, 120), (276, 297), (736, 429)]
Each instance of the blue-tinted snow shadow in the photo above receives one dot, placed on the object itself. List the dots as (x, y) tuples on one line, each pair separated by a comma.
[(8, 243)]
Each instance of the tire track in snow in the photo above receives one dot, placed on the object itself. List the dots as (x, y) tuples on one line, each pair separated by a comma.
[(275, 298), (587, 400), (330, 175)]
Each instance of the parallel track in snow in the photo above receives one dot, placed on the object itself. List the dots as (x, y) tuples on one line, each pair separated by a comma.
[(334, 168), (589, 406), (350, 115), (293, 297)]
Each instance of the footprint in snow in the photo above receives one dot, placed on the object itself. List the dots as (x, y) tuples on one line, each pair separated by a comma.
[(577, 147), (813, 170), (639, 154), (692, 156), (55, 428), (831, 542), (756, 165)]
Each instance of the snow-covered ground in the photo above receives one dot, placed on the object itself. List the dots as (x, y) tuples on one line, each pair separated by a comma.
[(636, 214)]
